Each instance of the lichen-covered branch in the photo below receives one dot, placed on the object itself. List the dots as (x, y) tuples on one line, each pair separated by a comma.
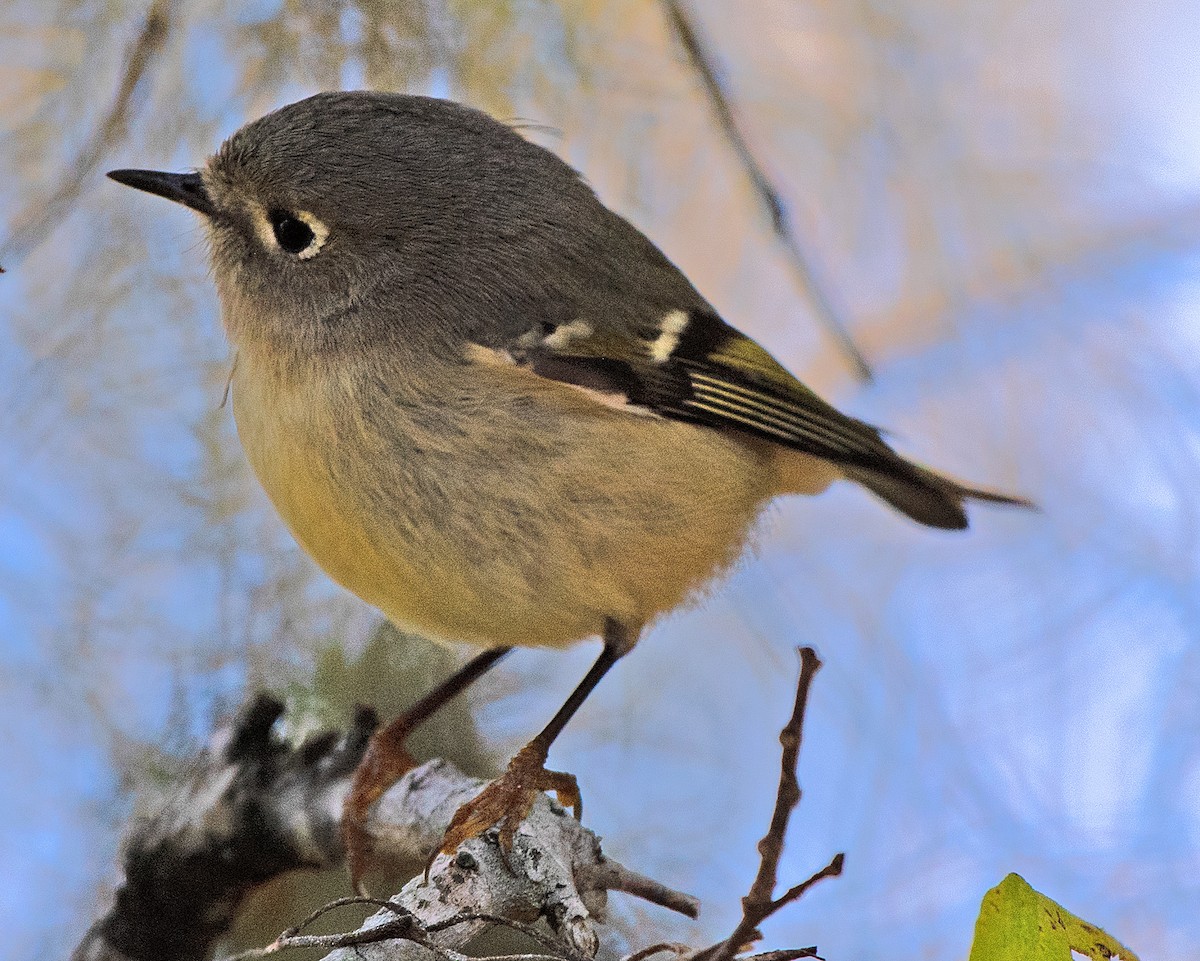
[(555, 872), (255, 807)]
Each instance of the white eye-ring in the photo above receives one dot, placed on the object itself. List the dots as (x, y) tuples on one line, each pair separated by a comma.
[(294, 232)]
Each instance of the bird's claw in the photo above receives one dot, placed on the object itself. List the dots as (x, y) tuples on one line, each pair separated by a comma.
[(386, 761), (507, 801)]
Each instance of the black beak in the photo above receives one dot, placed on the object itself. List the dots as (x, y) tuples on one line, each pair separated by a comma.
[(186, 189)]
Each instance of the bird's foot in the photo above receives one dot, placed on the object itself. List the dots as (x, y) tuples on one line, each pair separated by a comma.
[(508, 800), (386, 761)]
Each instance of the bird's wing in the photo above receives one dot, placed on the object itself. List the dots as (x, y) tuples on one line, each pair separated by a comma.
[(693, 366)]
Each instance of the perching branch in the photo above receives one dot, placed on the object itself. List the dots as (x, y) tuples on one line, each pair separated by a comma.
[(407, 920), (31, 225), (554, 873), (255, 807), (703, 63)]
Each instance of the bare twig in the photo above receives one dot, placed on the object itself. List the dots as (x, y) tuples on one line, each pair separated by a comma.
[(679, 950), (531, 932), (324, 909), (403, 928), (611, 876), (759, 904), (31, 225), (758, 900), (831, 870), (702, 62), (791, 954)]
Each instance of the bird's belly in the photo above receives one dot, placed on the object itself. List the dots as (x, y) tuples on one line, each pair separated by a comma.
[(420, 583), (426, 586), (325, 523), (492, 547)]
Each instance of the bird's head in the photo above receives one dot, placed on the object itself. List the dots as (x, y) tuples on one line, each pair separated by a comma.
[(352, 218)]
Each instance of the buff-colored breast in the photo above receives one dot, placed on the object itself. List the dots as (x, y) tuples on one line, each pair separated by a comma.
[(499, 508)]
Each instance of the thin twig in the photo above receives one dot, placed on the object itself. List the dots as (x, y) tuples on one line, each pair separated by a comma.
[(758, 904), (831, 870), (702, 62), (520, 957), (610, 875), (534, 933), (680, 950), (31, 225), (324, 909), (791, 954), (402, 928)]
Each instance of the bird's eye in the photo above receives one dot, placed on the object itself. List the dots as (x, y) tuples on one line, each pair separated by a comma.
[(291, 233)]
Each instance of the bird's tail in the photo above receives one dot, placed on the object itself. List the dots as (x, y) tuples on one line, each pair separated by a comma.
[(927, 497)]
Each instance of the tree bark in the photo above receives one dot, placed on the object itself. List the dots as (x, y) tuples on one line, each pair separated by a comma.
[(255, 807)]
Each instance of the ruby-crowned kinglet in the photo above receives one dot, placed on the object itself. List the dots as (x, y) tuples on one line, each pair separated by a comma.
[(488, 405)]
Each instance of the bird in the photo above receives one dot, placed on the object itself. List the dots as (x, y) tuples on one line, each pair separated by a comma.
[(490, 406)]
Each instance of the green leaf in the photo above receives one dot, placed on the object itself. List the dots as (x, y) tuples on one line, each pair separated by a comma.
[(1016, 923)]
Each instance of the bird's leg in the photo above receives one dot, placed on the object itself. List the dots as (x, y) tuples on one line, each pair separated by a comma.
[(387, 760), (509, 798)]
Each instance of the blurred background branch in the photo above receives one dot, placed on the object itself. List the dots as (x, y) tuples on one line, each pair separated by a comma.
[(781, 222), (32, 224)]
